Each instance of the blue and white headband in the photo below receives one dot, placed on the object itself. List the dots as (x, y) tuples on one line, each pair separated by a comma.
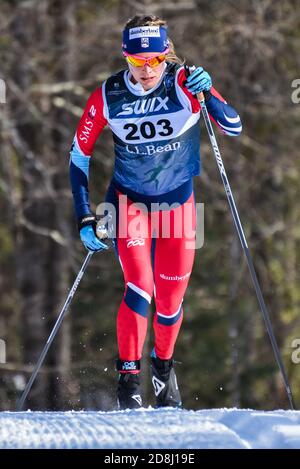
[(145, 39)]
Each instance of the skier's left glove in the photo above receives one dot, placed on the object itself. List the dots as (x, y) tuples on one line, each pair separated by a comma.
[(199, 80), (90, 232)]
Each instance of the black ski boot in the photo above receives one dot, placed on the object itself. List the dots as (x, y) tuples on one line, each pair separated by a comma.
[(128, 391), (165, 383)]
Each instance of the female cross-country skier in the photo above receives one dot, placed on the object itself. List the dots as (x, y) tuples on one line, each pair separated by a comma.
[(153, 112)]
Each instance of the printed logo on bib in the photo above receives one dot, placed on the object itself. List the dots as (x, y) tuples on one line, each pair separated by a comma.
[(152, 149), (143, 106)]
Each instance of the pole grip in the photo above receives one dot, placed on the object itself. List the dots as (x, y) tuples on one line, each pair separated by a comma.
[(188, 70), (200, 97)]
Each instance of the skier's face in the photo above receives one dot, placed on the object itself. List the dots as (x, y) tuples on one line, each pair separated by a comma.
[(147, 76)]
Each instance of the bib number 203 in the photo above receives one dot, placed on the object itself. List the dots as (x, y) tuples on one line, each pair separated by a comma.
[(148, 129)]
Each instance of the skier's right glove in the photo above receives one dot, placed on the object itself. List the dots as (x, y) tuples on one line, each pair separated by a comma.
[(198, 80), (90, 233)]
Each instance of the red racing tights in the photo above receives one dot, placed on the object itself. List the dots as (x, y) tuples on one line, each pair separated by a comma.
[(156, 252)]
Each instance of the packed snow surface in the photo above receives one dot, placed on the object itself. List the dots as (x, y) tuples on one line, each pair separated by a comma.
[(151, 429)]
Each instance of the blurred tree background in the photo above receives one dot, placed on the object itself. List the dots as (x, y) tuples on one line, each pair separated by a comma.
[(53, 54)]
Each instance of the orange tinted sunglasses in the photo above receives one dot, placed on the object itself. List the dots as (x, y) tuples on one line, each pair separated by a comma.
[(138, 61)]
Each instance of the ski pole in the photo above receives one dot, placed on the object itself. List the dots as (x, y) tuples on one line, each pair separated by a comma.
[(54, 331), (242, 237)]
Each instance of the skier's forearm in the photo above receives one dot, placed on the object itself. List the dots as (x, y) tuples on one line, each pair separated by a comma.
[(224, 115), (79, 175)]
